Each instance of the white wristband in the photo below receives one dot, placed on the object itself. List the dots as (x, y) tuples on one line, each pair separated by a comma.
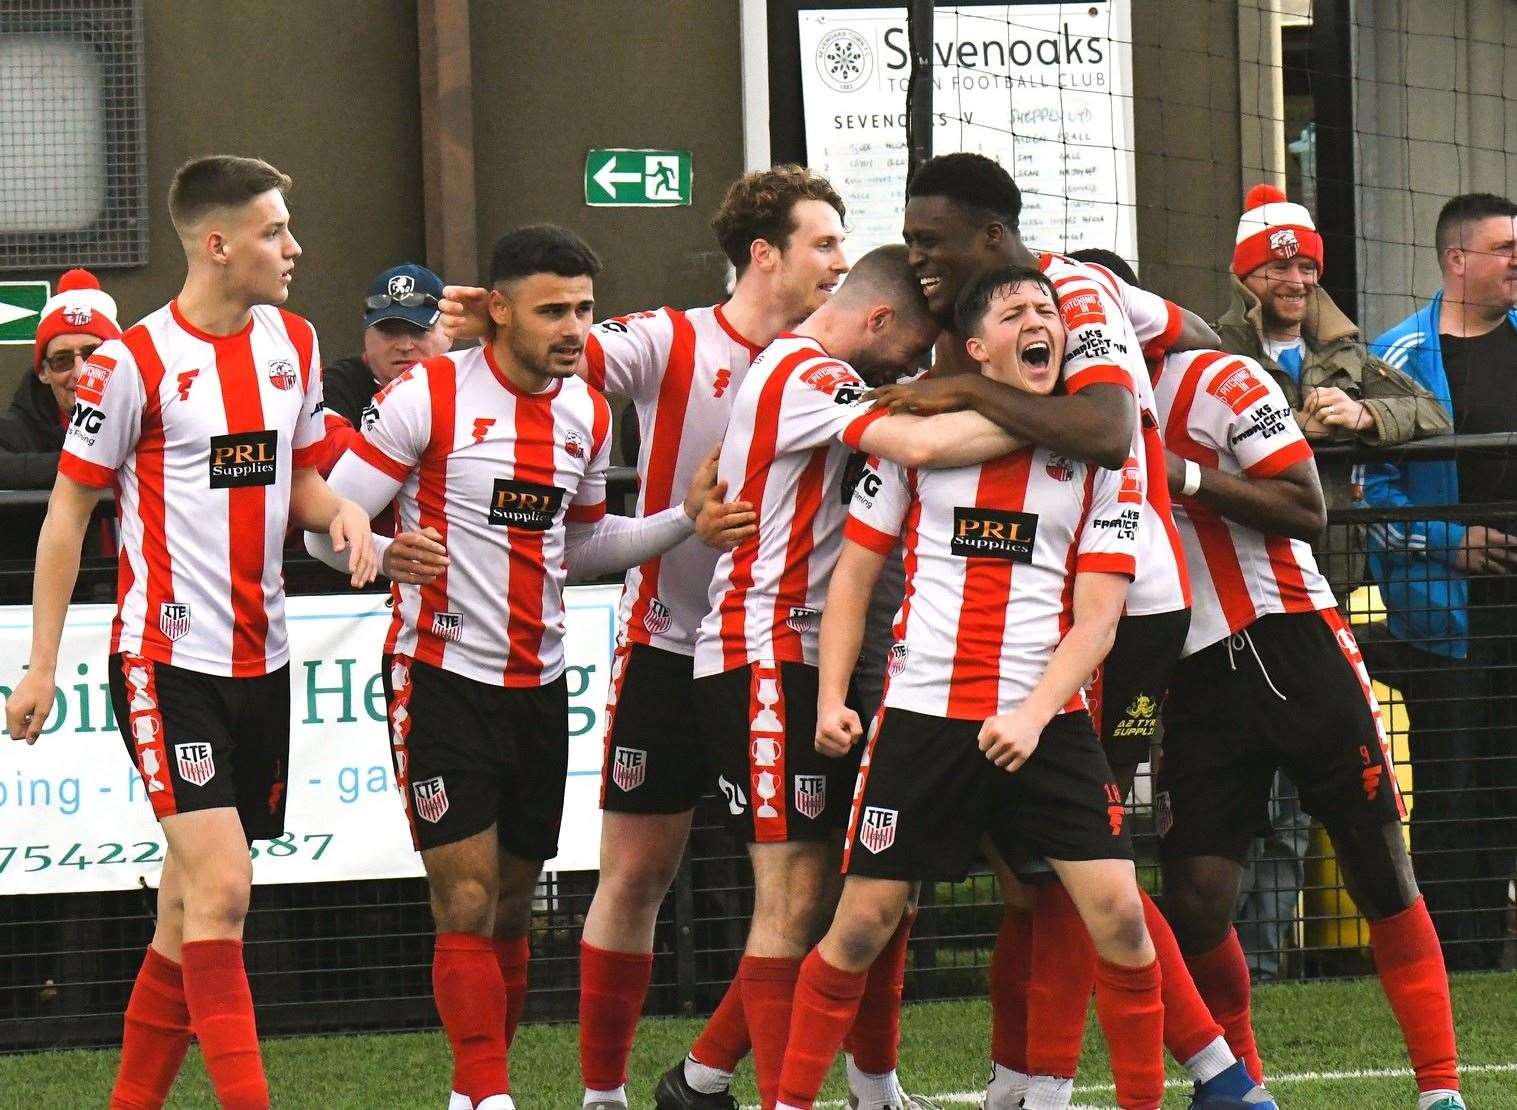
[(1192, 481)]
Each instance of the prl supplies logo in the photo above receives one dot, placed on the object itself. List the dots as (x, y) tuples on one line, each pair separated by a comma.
[(524, 504), (244, 459), (997, 533)]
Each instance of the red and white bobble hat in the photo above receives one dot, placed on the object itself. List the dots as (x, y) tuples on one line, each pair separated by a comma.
[(1273, 228), (79, 307)]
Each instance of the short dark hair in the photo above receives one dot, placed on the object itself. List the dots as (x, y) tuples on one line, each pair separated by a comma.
[(541, 249), (974, 299), (974, 182), (1111, 260), (1466, 209), (761, 205), (219, 181)]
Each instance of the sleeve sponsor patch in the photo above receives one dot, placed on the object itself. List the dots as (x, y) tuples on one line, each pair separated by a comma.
[(97, 371), (1238, 388), (836, 380), (1081, 308)]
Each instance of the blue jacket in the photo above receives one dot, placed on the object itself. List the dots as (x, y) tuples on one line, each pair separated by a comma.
[(1426, 598)]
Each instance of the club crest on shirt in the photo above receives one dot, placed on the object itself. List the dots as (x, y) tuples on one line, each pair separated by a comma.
[(574, 445), (1059, 468), (877, 827), (448, 626), (996, 533), (174, 619), (895, 661), (629, 768), (195, 761), (244, 459), (810, 795), (282, 373), (431, 799), (659, 618), (528, 505), (803, 619)]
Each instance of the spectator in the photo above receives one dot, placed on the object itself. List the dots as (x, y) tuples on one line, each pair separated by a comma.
[(1282, 318), (1449, 597), (76, 320), (401, 326)]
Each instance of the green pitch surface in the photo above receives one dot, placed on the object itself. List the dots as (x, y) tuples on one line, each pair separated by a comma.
[(1329, 1045)]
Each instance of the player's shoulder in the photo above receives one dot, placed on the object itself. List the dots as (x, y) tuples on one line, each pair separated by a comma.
[(1236, 382), (656, 323)]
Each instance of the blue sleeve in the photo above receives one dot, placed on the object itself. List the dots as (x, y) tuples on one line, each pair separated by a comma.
[(1384, 488)]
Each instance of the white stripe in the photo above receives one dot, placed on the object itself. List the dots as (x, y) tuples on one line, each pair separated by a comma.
[(1399, 352)]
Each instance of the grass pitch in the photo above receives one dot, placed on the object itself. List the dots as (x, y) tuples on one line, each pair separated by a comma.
[(1326, 1045)]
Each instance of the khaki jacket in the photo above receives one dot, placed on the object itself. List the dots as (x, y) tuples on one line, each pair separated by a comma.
[(1335, 356)]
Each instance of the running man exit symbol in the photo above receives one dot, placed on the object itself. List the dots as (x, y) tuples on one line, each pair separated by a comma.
[(641, 178)]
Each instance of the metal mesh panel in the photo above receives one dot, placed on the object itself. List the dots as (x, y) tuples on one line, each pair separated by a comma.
[(73, 160)]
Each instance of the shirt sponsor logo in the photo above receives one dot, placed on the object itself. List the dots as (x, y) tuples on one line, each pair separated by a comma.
[(195, 761), (1283, 243), (1139, 721), (827, 376), (244, 459), (92, 378), (282, 373), (629, 767), (877, 827), (810, 795), (448, 626), (860, 481), (431, 799), (1237, 389), (1081, 308), (524, 504), (1268, 420), (174, 619), (1130, 492), (996, 533), (659, 618), (1125, 523), (1095, 345), (84, 422), (803, 619)]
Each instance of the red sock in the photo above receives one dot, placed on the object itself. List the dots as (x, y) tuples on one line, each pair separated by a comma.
[(471, 1000), (1130, 1004), (826, 1002), (1188, 1024), (1410, 964), (612, 987), (155, 1036), (724, 1041), (1010, 971), (1221, 976), (221, 1014), (768, 984), (512, 956), (1063, 973), (875, 1038)]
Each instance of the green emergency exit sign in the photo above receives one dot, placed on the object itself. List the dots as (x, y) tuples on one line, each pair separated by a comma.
[(21, 309), (637, 178)]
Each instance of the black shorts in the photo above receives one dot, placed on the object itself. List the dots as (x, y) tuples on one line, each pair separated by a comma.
[(470, 754), (204, 741), (1130, 684), (658, 756), (1289, 691), (776, 785), (927, 795)]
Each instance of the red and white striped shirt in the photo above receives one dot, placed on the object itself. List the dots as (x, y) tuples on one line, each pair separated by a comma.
[(199, 434), (681, 371), (497, 472), (991, 554), (1109, 322), (1223, 411), (796, 418)]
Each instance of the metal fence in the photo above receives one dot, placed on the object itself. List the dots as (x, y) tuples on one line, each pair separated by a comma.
[(356, 955)]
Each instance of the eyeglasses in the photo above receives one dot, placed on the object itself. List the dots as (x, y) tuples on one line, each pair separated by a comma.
[(62, 362), (405, 300)]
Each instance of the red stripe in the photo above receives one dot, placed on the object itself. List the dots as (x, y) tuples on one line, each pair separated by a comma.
[(400, 734), (1161, 505), (909, 537), (1288, 577), (1343, 636), (795, 578), (766, 428), (620, 660), (595, 362), (1284, 458), (145, 727), (600, 422), (663, 456), (125, 578), (151, 506), (768, 829), (379, 460), (866, 535), (974, 686), (860, 782), (1100, 374), (1072, 557), (245, 512), (303, 338), (527, 573), (84, 472), (432, 501)]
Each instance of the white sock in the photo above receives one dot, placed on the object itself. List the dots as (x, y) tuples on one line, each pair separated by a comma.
[(871, 1088), (706, 1079), (495, 1102), (1006, 1088), (1049, 1092), (616, 1094), (1211, 1061), (1427, 1098), (457, 1101)]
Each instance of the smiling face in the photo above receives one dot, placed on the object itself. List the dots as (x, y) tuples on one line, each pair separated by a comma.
[(1020, 338), (72, 349), (810, 263), (948, 247), (1283, 286)]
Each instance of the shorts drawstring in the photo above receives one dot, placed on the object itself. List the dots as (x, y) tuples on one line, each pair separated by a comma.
[(1236, 642)]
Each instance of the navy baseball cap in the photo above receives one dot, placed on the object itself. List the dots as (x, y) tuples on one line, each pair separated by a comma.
[(406, 292)]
